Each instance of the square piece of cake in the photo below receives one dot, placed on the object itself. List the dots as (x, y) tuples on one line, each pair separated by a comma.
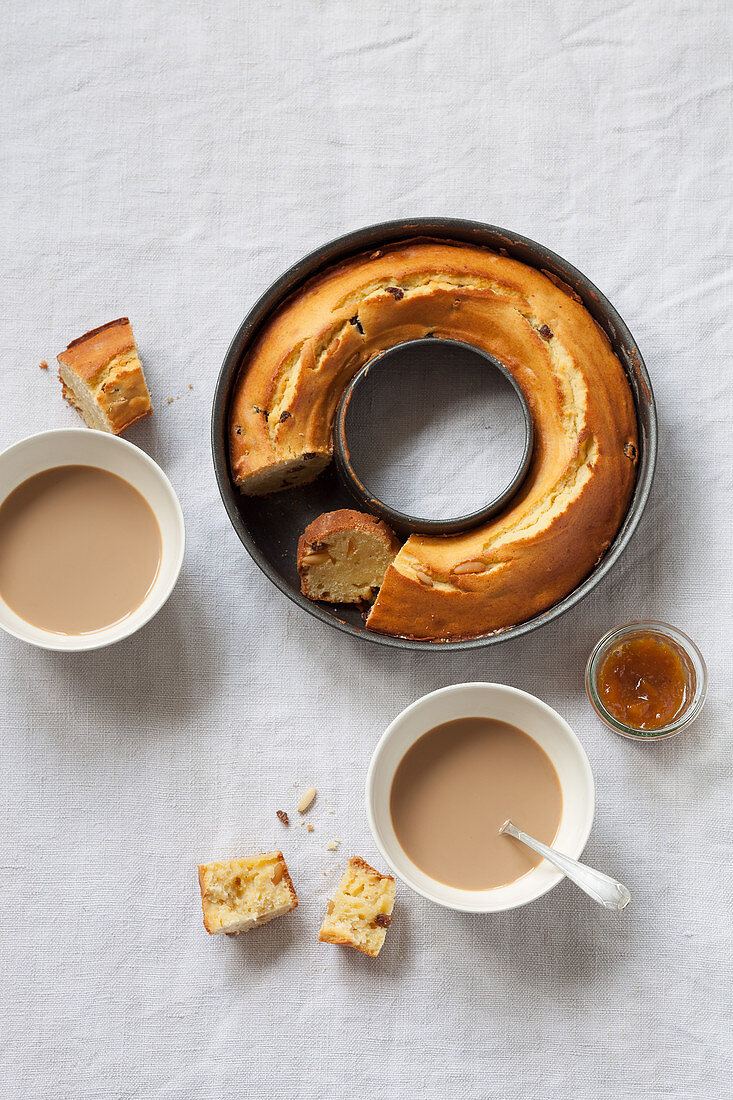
[(361, 910), (102, 378), (239, 894)]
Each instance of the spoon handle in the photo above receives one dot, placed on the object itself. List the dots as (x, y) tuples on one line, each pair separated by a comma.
[(606, 891)]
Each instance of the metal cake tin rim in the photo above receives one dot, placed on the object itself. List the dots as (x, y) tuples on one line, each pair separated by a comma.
[(403, 521), (393, 231)]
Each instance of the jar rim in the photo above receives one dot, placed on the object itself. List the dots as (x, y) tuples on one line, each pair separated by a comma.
[(671, 633)]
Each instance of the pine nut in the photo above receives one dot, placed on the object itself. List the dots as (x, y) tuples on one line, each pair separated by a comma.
[(470, 567), (277, 874), (424, 578), (315, 559), (306, 800)]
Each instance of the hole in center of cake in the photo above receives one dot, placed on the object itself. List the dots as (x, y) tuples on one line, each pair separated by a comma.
[(435, 430)]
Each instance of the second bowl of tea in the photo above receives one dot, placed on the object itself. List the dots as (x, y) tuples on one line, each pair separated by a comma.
[(451, 768)]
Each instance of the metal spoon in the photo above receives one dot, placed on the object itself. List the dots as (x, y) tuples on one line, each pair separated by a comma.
[(606, 891)]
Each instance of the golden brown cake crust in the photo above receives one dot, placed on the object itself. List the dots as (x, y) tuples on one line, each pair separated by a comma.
[(287, 880), (202, 888), (346, 519), (361, 864), (101, 376), (582, 474), (95, 348)]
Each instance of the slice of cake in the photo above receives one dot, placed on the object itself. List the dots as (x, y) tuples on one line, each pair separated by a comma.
[(102, 378), (361, 911), (343, 556), (240, 894)]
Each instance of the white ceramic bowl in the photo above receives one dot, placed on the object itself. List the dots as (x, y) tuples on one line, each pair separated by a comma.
[(86, 447), (507, 704)]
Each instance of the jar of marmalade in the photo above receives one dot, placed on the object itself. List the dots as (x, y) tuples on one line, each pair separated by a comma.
[(646, 680)]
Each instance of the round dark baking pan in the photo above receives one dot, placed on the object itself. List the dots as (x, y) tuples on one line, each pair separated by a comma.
[(269, 527)]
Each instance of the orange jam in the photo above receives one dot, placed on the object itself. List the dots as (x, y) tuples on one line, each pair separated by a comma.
[(645, 681)]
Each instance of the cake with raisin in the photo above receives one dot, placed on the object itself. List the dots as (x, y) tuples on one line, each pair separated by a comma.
[(579, 484), (343, 556), (361, 910), (102, 378), (240, 894)]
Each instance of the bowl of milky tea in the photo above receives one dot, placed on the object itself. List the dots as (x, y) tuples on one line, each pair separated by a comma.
[(91, 539), (451, 769)]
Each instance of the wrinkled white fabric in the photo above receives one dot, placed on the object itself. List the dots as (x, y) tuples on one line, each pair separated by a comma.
[(167, 161)]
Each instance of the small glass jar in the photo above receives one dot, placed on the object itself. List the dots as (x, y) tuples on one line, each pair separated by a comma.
[(692, 661)]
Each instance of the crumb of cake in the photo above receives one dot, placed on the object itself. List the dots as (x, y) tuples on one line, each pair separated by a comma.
[(309, 827), (283, 816), (361, 910), (170, 400), (240, 894), (333, 844), (43, 364)]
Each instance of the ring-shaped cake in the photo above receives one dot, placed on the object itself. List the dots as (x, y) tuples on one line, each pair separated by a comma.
[(578, 486)]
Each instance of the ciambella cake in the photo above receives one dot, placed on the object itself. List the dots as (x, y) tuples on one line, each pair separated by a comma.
[(240, 894), (361, 910), (343, 556), (580, 481), (102, 377)]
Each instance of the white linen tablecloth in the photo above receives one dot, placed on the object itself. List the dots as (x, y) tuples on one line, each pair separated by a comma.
[(167, 161)]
